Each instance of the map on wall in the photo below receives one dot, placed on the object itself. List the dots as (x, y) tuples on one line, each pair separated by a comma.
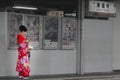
[(68, 33), (15, 20), (51, 33), (33, 25)]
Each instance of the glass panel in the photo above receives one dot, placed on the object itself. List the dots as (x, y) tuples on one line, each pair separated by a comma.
[(33, 25), (51, 33), (15, 20), (68, 33)]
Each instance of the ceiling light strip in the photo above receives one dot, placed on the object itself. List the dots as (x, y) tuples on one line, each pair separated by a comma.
[(22, 7)]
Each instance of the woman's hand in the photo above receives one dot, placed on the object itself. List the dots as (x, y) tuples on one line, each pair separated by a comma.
[(30, 47), (27, 41)]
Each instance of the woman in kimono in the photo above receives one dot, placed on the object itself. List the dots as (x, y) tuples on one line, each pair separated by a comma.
[(23, 64)]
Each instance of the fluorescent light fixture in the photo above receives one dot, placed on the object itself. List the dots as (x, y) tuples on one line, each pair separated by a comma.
[(23, 7)]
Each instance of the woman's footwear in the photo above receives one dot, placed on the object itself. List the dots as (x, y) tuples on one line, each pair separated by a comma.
[(20, 77), (25, 78)]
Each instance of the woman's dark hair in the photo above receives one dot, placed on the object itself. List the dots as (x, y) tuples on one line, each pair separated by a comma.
[(23, 28)]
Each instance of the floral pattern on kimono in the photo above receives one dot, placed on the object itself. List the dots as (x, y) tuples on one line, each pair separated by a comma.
[(23, 65)]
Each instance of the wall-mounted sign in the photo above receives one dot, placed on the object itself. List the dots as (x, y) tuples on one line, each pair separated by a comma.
[(101, 8)]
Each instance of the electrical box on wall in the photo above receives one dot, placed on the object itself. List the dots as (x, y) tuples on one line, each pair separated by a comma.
[(55, 13), (101, 8)]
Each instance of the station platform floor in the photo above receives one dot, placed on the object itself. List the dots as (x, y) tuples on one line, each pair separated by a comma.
[(94, 76)]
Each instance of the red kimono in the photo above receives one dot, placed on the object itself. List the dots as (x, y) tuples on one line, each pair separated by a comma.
[(22, 66)]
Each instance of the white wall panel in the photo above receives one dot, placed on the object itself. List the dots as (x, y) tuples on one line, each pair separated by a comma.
[(116, 38), (2, 42), (97, 55)]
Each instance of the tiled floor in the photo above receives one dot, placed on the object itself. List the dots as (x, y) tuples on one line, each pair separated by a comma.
[(98, 79), (115, 77), (69, 79), (83, 79), (110, 77)]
